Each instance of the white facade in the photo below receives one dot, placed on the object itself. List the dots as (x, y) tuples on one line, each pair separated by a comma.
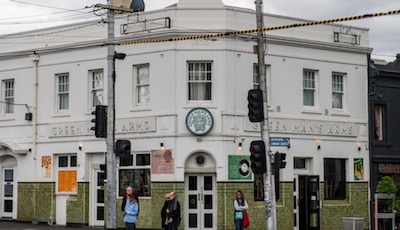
[(289, 53)]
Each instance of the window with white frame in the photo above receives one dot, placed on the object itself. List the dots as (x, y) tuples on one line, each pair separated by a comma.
[(199, 80), (134, 171), (97, 87), (142, 77), (309, 90), (8, 87), (62, 91), (337, 90), (67, 173), (256, 80)]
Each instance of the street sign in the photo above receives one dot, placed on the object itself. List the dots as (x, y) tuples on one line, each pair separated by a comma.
[(279, 141)]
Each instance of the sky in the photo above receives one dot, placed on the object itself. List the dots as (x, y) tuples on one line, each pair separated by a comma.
[(22, 15)]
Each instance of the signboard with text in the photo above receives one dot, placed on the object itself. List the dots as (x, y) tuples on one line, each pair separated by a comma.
[(279, 141)]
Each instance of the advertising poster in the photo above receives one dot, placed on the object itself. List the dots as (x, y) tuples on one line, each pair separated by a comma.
[(239, 167), (358, 169), (67, 181), (46, 164), (162, 161)]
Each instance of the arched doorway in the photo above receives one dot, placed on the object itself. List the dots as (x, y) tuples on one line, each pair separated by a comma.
[(200, 192)]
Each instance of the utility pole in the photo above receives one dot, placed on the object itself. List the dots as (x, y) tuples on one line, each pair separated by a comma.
[(270, 208), (111, 221)]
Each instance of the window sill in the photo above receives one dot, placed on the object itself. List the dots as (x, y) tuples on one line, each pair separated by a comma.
[(381, 143), (311, 111), (335, 202), (7, 118), (203, 104), (61, 115), (140, 108), (340, 113)]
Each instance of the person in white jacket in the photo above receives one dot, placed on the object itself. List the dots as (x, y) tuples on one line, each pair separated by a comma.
[(240, 205)]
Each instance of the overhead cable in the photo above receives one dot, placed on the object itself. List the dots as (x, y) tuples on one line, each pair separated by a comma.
[(240, 32)]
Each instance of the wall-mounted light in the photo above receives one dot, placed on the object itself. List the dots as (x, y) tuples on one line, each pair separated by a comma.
[(162, 146), (359, 146), (80, 147), (239, 148), (318, 143)]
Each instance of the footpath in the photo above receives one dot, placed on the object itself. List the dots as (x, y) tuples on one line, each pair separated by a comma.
[(13, 225)]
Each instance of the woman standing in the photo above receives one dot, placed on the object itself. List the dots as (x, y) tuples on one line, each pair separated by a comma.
[(130, 212), (240, 205), (164, 220)]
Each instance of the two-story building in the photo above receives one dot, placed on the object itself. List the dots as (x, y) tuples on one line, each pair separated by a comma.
[(384, 89), (182, 105)]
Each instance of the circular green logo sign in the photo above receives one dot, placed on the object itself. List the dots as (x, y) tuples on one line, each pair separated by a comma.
[(199, 121)]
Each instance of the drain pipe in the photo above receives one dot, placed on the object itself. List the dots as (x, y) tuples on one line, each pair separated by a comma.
[(35, 58)]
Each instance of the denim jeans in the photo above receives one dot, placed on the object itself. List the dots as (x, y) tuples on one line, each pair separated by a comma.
[(238, 225)]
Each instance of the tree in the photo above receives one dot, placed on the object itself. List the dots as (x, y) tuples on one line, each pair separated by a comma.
[(386, 185)]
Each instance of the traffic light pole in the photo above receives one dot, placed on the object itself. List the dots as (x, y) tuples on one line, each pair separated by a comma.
[(111, 203), (270, 208)]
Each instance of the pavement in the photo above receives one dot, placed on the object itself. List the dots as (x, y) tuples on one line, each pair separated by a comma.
[(14, 225)]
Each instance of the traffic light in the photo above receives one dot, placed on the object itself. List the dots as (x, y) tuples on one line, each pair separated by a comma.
[(279, 160), (256, 107), (100, 121), (123, 148), (258, 157)]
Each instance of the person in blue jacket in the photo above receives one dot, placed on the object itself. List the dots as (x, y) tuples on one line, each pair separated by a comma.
[(131, 211)]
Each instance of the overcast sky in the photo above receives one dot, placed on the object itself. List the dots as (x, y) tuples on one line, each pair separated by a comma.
[(20, 15)]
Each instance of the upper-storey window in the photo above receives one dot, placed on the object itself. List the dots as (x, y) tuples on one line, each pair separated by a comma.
[(97, 87), (309, 88), (199, 80), (62, 91), (142, 77), (8, 86), (379, 122), (256, 80), (338, 91)]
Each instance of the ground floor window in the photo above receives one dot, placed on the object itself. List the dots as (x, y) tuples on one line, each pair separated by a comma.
[(135, 172), (335, 178)]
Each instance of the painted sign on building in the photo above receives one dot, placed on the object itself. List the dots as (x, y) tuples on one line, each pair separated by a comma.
[(239, 167), (162, 161)]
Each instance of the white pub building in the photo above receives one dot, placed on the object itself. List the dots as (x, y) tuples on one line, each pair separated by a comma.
[(183, 106)]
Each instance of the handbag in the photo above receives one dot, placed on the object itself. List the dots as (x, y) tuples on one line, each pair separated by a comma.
[(238, 215), (246, 221)]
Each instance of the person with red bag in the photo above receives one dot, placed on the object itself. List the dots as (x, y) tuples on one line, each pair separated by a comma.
[(240, 206)]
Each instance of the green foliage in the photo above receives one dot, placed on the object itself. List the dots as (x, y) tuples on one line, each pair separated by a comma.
[(386, 185)]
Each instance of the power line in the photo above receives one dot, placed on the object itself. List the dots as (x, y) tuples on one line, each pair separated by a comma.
[(52, 32), (241, 32), (68, 14), (45, 6)]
